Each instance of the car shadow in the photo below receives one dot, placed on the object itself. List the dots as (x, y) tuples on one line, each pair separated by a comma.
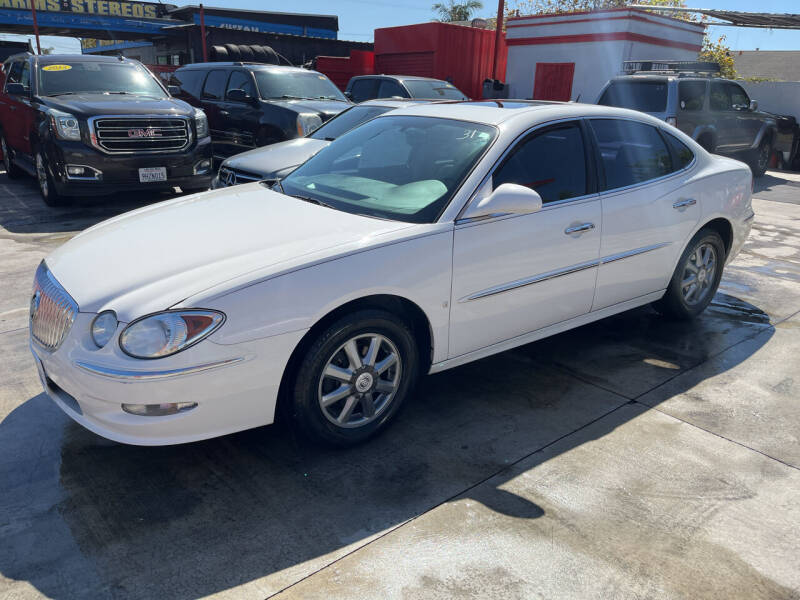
[(24, 211), (84, 517)]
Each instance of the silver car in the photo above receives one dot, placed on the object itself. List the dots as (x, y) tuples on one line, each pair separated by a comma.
[(274, 162)]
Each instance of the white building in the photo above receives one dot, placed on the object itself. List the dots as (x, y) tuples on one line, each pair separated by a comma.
[(570, 56)]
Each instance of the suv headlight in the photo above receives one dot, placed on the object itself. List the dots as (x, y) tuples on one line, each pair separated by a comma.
[(306, 123), (200, 123), (65, 125), (166, 333)]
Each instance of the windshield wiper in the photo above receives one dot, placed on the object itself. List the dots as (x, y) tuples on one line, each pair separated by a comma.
[(63, 94), (311, 200)]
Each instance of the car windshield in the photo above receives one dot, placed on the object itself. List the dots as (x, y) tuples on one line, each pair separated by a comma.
[(296, 84), (645, 96), (403, 168), (68, 77), (346, 120), (433, 89)]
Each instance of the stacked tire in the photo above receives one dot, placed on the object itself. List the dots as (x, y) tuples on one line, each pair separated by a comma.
[(244, 53)]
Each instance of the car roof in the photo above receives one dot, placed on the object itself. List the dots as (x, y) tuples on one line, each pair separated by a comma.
[(527, 112), (399, 77), (57, 58), (248, 65), (394, 103), (666, 77)]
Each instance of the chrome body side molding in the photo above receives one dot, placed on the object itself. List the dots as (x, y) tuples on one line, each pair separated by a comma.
[(131, 375)]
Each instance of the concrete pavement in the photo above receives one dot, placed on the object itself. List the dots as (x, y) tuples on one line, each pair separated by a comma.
[(631, 458)]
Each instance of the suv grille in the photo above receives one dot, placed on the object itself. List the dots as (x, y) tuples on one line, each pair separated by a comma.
[(52, 310), (131, 134)]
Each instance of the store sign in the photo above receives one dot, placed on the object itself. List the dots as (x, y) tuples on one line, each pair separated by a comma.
[(114, 8)]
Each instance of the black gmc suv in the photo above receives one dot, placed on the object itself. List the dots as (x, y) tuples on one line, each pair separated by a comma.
[(95, 125), (255, 104)]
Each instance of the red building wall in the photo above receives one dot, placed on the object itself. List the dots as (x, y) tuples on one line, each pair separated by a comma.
[(463, 55), (340, 69)]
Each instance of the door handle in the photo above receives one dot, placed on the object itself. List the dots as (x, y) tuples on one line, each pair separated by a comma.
[(579, 228), (224, 113), (684, 203)]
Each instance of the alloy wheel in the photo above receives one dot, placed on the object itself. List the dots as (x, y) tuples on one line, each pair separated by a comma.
[(360, 380), (763, 157), (699, 274), (6, 157)]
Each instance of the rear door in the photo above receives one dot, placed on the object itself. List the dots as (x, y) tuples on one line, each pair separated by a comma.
[(212, 100), (648, 208), (17, 110), (243, 116)]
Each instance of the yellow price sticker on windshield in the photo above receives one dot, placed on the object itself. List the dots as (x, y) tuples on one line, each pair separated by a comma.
[(56, 68)]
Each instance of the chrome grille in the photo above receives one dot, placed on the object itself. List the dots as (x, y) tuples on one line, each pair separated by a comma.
[(136, 134), (228, 176), (52, 310)]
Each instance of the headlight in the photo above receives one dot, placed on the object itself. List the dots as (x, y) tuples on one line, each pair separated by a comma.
[(307, 123), (103, 327), (169, 332), (200, 123), (65, 125)]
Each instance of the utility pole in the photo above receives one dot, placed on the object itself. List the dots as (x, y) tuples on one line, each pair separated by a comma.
[(35, 26), (203, 32), (497, 33)]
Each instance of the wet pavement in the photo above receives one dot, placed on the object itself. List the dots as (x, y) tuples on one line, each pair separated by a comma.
[(633, 457)]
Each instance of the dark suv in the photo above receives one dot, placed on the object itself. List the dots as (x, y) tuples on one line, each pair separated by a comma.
[(370, 87), (253, 104), (716, 112), (94, 125)]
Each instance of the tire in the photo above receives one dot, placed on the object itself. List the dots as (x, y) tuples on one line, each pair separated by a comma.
[(47, 189), (680, 302), (361, 400), (760, 159), (12, 170)]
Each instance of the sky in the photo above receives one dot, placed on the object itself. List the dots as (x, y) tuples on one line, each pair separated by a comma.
[(358, 19)]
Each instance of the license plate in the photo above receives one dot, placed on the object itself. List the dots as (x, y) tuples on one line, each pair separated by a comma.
[(148, 174)]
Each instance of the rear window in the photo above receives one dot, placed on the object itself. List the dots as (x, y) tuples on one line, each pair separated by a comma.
[(645, 96)]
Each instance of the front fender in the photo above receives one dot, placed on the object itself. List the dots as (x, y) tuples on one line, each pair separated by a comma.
[(769, 129)]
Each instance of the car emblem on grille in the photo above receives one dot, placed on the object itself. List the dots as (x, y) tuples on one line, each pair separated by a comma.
[(144, 133), (228, 177), (35, 300)]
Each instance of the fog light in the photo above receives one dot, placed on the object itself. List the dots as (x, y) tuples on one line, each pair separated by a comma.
[(83, 172), (203, 167), (77, 171), (158, 410)]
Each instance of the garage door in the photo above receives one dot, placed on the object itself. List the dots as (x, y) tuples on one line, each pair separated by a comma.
[(553, 81), (409, 63)]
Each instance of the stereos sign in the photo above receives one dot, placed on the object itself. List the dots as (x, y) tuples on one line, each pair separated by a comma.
[(112, 8)]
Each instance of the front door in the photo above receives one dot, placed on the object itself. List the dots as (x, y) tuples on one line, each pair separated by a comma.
[(242, 115), (648, 208), (513, 275)]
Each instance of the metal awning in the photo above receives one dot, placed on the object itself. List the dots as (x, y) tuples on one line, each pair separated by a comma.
[(736, 18)]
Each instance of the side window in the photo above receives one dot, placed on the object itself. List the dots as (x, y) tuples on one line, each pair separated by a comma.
[(389, 88), (720, 96), (691, 95), (364, 89), (214, 87), (25, 76), (739, 99), (631, 152), (15, 72), (552, 162), (241, 80), (189, 81), (682, 156)]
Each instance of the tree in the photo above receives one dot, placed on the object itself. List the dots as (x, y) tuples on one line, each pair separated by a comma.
[(719, 53), (48, 50), (456, 11)]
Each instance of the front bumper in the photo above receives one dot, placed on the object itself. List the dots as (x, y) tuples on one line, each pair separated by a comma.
[(120, 172), (235, 386)]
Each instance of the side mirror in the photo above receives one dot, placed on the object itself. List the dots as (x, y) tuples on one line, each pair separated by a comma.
[(348, 95), (238, 95), (16, 89), (753, 105), (173, 90), (507, 199)]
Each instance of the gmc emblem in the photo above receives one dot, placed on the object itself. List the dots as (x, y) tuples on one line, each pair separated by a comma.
[(144, 133)]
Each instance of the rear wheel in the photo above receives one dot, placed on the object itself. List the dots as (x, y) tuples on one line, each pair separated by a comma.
[(354, 378), (696, 278), (47, 189), (760, 159), (12, 170)]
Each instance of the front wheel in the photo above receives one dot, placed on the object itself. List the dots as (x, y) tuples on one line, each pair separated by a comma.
[(354, 378), (760, 160), (696, 278), (47, 188)]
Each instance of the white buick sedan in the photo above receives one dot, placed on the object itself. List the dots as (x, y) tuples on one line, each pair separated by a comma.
[(426, 238)]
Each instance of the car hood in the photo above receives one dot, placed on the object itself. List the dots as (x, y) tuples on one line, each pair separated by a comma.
[(324, 108), (90, 105), (270, 160), (152, 258)]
